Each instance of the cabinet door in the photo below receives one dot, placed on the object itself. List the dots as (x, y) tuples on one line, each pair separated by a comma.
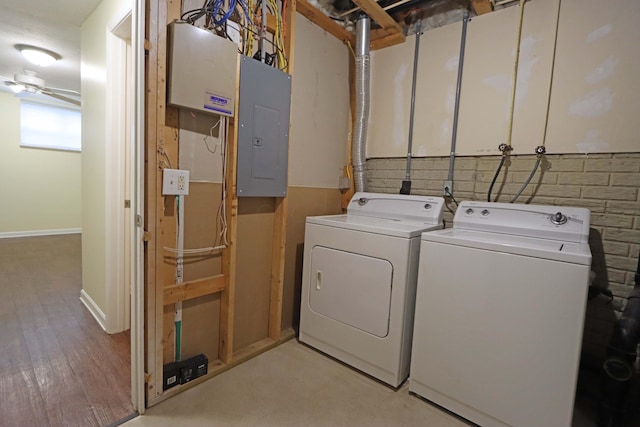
[(352, 289)]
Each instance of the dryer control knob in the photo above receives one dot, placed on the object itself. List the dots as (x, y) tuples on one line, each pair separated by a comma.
[(469, 211), (362, 201), (558, 218), (485, 212), (427, 205)]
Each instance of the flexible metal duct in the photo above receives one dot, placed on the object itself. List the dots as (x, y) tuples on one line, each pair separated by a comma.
[(361, 118)]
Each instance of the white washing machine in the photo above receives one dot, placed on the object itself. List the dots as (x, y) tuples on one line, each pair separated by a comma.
[(359, 280), (499, 313)]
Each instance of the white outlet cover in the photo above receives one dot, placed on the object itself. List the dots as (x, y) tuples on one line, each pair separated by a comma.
[(175, 182)]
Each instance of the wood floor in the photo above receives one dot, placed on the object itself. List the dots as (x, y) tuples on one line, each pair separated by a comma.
[(57, 366)]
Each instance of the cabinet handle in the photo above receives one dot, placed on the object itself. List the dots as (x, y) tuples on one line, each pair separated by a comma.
[(318, 279)]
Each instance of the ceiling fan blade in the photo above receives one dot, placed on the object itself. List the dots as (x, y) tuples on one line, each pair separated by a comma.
[(60, 90), (62, 97)]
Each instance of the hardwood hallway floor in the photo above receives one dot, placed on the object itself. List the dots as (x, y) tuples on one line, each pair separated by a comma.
[(57, 366)]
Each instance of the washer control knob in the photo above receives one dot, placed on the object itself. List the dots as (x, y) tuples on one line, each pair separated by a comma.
[(427, 205), (362, 201), (469, 211), (485, 212), (558, 218)]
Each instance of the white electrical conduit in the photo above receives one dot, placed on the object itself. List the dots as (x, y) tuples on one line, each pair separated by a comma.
[(179, 277), (541, 150)]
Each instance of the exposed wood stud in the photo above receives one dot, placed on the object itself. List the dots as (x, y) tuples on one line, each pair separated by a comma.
[(193, 289), (229, 254)]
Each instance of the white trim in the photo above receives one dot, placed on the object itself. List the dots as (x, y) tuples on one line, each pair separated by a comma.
[(117, 303), (32, 233), (93, 309), (137, 205)]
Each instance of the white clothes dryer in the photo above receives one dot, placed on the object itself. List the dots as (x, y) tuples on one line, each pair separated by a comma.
[(500, 311), (359, 279)]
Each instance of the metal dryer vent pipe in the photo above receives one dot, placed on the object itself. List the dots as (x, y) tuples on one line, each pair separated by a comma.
[(361, 118)]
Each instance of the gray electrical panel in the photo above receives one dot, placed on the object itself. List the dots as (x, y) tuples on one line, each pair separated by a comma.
[(202, 70), (263, 131)]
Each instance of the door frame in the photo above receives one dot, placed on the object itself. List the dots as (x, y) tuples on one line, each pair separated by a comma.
[(126, 291)]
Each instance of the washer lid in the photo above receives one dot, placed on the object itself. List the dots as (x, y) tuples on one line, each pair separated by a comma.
[(388, 227), (573, 252)]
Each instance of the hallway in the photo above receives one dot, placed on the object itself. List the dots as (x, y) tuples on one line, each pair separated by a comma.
[(57, 366)]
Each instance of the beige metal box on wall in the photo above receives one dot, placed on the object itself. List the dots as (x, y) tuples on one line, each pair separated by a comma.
[(202, 70)]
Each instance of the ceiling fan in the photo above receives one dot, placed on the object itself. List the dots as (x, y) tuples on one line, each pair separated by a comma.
[(29, 83)]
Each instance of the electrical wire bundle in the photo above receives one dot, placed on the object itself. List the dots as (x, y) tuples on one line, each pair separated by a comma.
[(219, 14)]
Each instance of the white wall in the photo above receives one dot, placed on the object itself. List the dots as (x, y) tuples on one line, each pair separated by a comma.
[(594, 96), (319, 108), (40, 188), (94, 149)]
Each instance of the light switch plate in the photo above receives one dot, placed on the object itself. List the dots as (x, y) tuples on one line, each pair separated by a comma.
[(175, 182)]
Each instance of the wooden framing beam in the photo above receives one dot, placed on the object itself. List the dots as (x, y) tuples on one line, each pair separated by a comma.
[(282, 206), (481, 6), (380, 39), (193, 289), (229, 254), (323, 21), (154, 382), (378, 14), (162, 131)]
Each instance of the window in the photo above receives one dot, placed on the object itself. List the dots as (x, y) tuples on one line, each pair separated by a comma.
[(50, 126)]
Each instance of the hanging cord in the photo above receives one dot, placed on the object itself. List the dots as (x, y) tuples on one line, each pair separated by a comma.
[(221, 241), (507, 148), (533, 172), (495, 177), (540, 150)]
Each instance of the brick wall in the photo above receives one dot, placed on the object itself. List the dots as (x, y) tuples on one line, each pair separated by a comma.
[(607, 184)]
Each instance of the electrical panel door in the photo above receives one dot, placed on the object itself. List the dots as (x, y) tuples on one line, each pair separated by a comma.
[(263, 131)]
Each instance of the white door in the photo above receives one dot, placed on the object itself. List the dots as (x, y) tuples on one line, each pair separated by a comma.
[(351, 288)]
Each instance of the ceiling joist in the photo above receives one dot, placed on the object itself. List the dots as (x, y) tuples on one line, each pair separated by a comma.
[(323, 21), (481, 6), (378, 14), (381, 39), (390, 34)]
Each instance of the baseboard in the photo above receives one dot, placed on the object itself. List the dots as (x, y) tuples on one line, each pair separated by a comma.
[(94, 309), (33, 233)]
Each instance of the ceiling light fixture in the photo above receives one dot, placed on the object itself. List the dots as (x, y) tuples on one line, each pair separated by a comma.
[(37, 55)]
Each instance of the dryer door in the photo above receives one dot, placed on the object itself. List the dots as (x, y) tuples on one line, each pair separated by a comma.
[(351, 288)]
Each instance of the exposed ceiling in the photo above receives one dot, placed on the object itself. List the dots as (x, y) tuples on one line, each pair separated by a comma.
[(53, 25)]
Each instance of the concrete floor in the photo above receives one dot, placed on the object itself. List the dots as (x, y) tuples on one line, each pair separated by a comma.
[(294, 385)]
